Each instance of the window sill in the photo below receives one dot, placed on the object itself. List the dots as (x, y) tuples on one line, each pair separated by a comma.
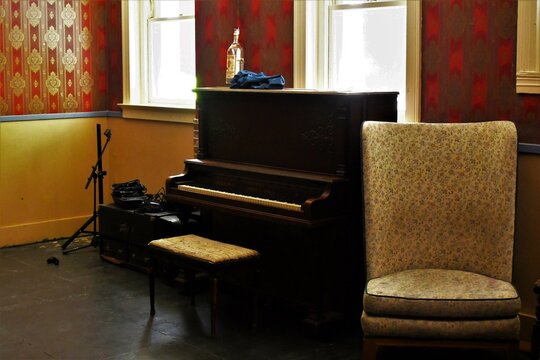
[(528, 82), (525, 148), (158, 113)]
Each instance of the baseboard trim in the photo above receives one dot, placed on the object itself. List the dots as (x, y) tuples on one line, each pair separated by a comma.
[(29, 233)]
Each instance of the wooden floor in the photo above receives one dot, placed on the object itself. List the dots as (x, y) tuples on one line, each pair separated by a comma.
[(87, 308)]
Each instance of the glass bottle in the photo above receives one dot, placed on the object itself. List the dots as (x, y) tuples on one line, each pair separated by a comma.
[(235, 57)]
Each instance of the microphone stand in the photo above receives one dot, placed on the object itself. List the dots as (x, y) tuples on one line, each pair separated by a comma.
[(96, 176)]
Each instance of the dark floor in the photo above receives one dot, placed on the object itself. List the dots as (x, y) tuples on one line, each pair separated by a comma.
[(87, 308)]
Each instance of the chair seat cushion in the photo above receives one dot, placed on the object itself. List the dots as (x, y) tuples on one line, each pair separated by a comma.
[(202, 249), (440, 293), (477, 329)]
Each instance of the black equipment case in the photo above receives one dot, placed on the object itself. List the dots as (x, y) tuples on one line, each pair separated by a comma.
[(125, 233)]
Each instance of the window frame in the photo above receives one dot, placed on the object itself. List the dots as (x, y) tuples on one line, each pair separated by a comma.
[(135, 104), (528, 47), (311, 37)]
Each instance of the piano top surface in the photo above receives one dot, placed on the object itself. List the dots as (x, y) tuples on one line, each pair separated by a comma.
[(289, 91)]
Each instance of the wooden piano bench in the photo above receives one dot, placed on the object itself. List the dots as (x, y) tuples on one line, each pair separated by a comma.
[(194, 253)]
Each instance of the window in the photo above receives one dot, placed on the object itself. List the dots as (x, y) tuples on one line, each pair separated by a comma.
[(528, 48), (161, 40), (360, 46)]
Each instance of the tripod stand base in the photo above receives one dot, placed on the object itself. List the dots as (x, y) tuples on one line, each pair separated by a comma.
[(95, 240)]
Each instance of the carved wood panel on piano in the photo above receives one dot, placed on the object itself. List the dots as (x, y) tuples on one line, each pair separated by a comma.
[(279, 171)]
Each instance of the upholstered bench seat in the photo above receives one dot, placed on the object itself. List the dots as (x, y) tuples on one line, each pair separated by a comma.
[(202, 249), (195, 253), (441, 293)]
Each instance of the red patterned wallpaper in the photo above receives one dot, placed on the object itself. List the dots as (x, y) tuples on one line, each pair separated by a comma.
[(469, 65), (112, 81), (468, 55), (268, 36), (55, 56), (214, 24), (266, 33), (65, 55)]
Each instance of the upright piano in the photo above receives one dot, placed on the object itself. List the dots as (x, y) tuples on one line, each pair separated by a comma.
[(280, 171)]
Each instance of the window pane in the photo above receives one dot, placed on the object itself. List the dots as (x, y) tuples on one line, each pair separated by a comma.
[(368, 50), (355, 2), (173, 8), (172, 60)]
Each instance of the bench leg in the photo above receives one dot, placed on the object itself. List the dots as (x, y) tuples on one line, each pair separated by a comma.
[(191, 285), (213, 303), (255, 319), (151, 284)]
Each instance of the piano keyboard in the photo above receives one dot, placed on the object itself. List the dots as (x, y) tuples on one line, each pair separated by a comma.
[(239, 197)]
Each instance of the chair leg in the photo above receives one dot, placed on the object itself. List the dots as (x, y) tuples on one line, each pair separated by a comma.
[(213, 303), (535, 336), (151, 283), (370, 349), (535, 341)]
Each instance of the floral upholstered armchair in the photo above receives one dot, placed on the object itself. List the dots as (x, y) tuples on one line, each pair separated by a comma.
[(439, 203)]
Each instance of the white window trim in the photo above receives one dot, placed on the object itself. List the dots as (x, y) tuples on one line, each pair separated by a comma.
[(159, 113), (528, 47), (132, 106), (308, 16)]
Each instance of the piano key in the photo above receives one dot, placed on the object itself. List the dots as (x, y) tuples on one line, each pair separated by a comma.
[(240, 197)]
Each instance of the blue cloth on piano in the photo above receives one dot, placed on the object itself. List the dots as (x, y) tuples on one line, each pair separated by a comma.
[(246, 79)]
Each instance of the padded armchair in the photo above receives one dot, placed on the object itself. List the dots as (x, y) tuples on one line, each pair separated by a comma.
[(439, 207)]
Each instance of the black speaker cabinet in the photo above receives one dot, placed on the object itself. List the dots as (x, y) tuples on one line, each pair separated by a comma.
[(125, 233)]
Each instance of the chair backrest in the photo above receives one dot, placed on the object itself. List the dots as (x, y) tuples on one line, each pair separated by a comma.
[(439, 196)]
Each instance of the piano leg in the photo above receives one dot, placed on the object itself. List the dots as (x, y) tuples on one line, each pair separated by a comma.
[(326, 315)]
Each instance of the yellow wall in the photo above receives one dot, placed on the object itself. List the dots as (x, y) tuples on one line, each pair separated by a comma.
[(148, 150), (45, 164)]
